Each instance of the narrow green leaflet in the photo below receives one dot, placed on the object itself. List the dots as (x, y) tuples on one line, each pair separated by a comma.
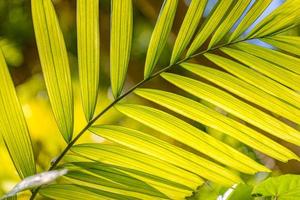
[(289, 44), (246, 91), (88, 40), (160, 35), (55, 64), (214, 119), (120, 43), (13, 125), (283, 60), (125, 157), (283, 18), (285, 187), (188, 28), (162, 150), (279, 74), (256, 10), (170, 176), (209, 26), (78, 192), (236, 107), (257, 79), (229, 21), (191, 136), (105, 177)]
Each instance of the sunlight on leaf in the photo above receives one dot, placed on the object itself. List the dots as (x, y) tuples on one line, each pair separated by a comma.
[(14, 129), (191, 136), (55, 64), (120, 44), (229, 21), (160, 35), (188, 28), (88, 53), (209, 26), (211, 118), (170, 153)]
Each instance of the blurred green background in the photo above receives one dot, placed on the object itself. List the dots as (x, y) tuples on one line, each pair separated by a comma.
[(18, 43)]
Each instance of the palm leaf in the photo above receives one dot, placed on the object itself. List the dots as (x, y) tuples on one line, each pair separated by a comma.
[(255, 11), (281, 59), (160, 35), (106, 177), (209, 26), (55, 64), (88, 53), (289, 44), (72, 191), (277, 73), (214, 119), (143, 168), (191, 136), (230, 20), (188, 28), (236, 107), (258, 80), (258, 93), (14, 129), (120, 44), (281, 19), (170, 153)]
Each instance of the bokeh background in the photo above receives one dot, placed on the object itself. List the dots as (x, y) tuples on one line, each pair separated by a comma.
[(18, 43)]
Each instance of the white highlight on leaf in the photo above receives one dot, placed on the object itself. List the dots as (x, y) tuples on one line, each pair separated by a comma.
[(35, 181), (227, 193)]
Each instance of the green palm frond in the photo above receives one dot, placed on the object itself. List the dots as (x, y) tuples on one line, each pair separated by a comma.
[(14, 130), (160, 35), (55, 64), (120, 44), (88, 54), (257, 87)]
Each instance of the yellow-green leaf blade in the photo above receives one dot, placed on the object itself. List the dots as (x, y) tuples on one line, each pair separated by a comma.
[(55, 64), (120, 44), (286, 61), (123, 157), (214, 119), (256, 10), (289, 44), (281, 75), (246, 91), (88, 38), (162, 150), (229, 21), (284, 17), (111, 179), (160, 35), (71, 192), (13, 125), (191, 136), (209, 26), (258, 80), (188, 28), (236, 107)]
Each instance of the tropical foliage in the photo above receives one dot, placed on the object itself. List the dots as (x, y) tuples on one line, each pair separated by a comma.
[(255, 87)]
